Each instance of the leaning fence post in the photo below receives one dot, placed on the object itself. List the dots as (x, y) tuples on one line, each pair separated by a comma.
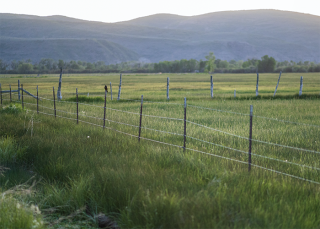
[(168, 88), (211, 80), (54, 104), (1, 93), (250, 138), (77, 106), (37, 100), (10, 94), (18, 89), (257, 86), (301, 85), (111, 90), (140, 117), (119, 92), (185, 124), (22, 96), (105, 107), (275, 91)]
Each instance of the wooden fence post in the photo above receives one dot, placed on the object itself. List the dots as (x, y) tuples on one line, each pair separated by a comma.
[(37, 100), (59, 95), (22, 96), (140, 123), (185, 124), (257, 86), (250, 138), (234, 93), (77, 106), (105, 107), (211, 80), (168, 88), (54, 104), (18, 89), (111, 91), (10, 93), (301, 85), (119, 92), (275, 91)]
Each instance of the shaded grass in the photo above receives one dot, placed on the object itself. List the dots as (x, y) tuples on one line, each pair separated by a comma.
[(148, 185)]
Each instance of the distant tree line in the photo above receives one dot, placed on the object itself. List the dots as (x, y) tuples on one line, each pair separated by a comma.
[(209, 65)]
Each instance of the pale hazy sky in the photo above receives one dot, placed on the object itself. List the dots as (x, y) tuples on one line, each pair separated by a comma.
[(122, 10)]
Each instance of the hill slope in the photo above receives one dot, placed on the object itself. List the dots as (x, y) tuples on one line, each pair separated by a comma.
[(230, 35)]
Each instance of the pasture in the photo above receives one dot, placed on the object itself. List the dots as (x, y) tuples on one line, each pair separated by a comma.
[(156, 184)]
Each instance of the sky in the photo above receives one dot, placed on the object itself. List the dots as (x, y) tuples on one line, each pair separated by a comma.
[(123, 10)]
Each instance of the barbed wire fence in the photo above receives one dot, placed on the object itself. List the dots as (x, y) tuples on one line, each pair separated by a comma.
[(71, 116)]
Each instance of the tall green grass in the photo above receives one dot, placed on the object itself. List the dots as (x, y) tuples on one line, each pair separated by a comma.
[(151, 185)]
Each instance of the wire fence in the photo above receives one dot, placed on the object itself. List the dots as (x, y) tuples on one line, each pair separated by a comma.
[(313, 170)]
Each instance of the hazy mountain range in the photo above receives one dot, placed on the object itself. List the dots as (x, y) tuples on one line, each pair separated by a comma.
[(230, 35)]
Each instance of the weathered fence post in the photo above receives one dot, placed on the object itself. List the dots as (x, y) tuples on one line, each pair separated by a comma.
[(140, 123), (211, 80), (1, 93), (105, 107), (37, 100), (54, 104), (111, 91), (275, 91), (234, 93), (119, 92), (250, 138), (18, 89), (301, 85), (168, 88), (22, 96), (10, 94), (59, 95), (77, 106), (185, 124), (257, 86)]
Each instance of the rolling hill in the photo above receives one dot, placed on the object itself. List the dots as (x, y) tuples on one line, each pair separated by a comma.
[(230, 35)]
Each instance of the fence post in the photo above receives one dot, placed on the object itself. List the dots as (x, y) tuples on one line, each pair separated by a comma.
[(77, 106), (275, 91), (211, 80), (301, 85), (111, 90), (105, 107), (59, 95), (234, 93), (1, 93), (119, 92), (250, 138), (185, 124), (37, 100), (18, 89), (54, 104), (22, 96), (140, 117), (168, 88), (10, 93), (257, 86)]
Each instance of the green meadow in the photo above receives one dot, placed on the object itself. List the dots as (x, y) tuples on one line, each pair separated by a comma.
[(155, 183)]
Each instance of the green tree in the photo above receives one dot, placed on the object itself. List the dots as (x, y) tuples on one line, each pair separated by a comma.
[(210, 63), (266, 64), (60, 64), (3, 65), (25, 67)]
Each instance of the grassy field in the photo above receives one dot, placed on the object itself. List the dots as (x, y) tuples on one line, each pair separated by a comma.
[(153, 185)]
